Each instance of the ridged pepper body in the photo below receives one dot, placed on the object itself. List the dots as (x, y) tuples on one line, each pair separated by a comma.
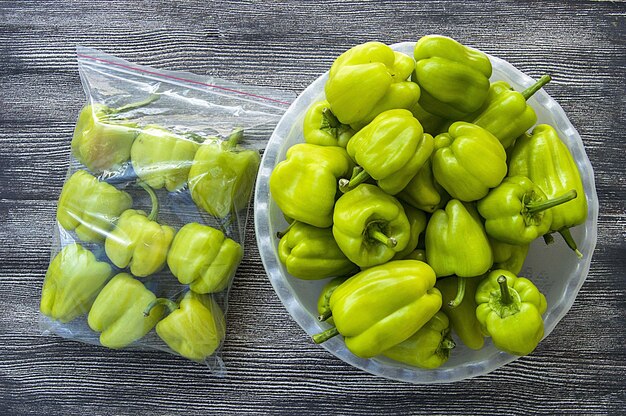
[(462, 316), (509, 257), (423, 192), (322, 127)]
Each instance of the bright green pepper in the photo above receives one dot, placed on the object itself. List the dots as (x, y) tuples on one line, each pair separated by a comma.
[(323, 128), (391, 149), (222, 176), (423, 192), (72, 282), (509, 311), (194, 327), (546, 161), (139, 241), (117, 312), (517, 211), (368, 79), (90, 207), (453, 78), (311, 253), (468, 160), (304, 185), (428, 348), (417, 225), (456, 242), (509, 257), (383, 306), (323, 300), (203, 258), (462, 313), (102, 138), (162, 158), (370, 226), (507, 114)]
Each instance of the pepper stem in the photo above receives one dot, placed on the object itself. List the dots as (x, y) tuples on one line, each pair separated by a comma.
[(504, 290), (233, 139), (325, 336), (325, 315), (534, 207), (548, 239), (169, 304), (382, 238), (460, 293), (358, 177), (281, 234), (528, 92), (448, 344), (138, 104), (569, 240), (331, 118), (154, 211)]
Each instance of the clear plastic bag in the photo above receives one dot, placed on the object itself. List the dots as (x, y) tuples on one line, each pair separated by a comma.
[(151, 219)]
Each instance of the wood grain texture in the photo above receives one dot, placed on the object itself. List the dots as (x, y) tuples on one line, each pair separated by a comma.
[(273, 368)]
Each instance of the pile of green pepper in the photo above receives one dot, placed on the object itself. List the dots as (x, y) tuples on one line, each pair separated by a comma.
[(419, 188), (109, 290)]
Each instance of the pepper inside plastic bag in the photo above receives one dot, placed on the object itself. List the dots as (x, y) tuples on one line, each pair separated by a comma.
[(151, 218)]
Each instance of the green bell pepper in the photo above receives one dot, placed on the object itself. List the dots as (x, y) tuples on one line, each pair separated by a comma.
[(517, 211), (423, 192), (72, 282), (431, 123), (509, 311), (391, 149), (428, 348), (304, 185), (90, 207), (311, 253), (102, 138), (546, 161), (417, 226), (117, 312), (323, 128), (193, 328), (368, 79), (462, 314), (383, 306), (507, 115), (468, 160), (509, 257), (456, 242), (417, 254), (162, 158), (222, 176), (453, 78), (139, 241), (323, 300), (203, 258), (370, 226)]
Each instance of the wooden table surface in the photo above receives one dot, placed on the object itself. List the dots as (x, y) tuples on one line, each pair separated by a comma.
[(273, 368)]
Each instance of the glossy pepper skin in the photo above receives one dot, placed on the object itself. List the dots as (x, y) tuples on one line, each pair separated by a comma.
[(72, 282), (138, 241), (509, 257), (222, 176), (428, 348), (90, 207), (368, 79), (509, 311), (103, 138), (383, 306), (544, 159), (423, 192), (456, 242), (311, 253), (453, 78), (323, 301), (370, 226), (517, 211), (507, 114), (193, 328), (117, 312), (305, 183), (162, 158), (321, 127), (391, 149), (463, 319), (417, 226), (468, 161), (203, 258)]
